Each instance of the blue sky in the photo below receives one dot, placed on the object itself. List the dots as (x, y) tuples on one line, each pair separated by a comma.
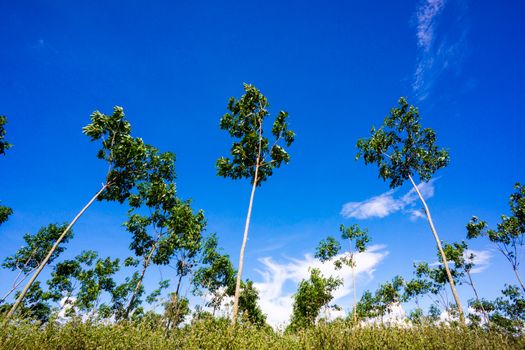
[(336, 67)]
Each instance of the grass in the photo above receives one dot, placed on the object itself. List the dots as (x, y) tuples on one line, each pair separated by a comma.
[(210, 334)]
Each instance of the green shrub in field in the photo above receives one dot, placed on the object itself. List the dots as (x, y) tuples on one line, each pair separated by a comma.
[(218, 334)]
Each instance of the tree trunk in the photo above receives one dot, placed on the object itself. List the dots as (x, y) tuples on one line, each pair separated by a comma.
[(139, 282), (243, 246), (477, 297), (46, 259), (440, 248), (355, 293), (15, 286), (519, 278)]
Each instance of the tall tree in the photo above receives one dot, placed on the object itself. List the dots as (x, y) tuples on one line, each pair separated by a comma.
[(5, 212), (402, 149), (252, 155), (312, 295), (125, 158), (29, 257), (329, 248), (509, 236), (171, 229)]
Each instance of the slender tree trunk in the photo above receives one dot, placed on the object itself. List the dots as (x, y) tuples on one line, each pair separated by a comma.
[(355, 293), (519, 278), (477, 298), (15, 286), (440, 248), (243, 246), (46, 259), (139, 282)]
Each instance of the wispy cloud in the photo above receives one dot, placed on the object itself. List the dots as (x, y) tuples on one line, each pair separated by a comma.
[(481, 260), (386, 204), (436, 53), (426, 22), (276, 300)]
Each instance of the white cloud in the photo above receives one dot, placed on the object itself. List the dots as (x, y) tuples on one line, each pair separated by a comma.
[(481, 260), (426, 19), (436, 54), (386, 204), (276, 300)]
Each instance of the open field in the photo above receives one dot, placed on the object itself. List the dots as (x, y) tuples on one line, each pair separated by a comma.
[(218, 335)]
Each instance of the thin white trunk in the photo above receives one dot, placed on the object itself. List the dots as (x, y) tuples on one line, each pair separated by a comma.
[(139, 282), (519, 278), (355, 293), (443, 256), (243, 246), (485, 314), (46, 259)]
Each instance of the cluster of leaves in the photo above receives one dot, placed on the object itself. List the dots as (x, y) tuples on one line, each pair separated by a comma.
[(252, 149), (402, 147), (509, 236), (381, 302), (330, 247), (311, 296), (5, 212)]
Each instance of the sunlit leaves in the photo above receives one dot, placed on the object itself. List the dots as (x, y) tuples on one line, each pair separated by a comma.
[(28, 257), (509, 235), (401, 147), (251, 147), (124, 154), (4, 145), (311, 296)]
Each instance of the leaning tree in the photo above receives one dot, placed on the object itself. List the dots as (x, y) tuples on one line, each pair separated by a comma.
[(252, 155), (509, 235), (402, 149), (330, 248), (124, 156)]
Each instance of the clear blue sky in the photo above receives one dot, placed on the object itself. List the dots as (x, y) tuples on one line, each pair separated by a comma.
[(337, 68)]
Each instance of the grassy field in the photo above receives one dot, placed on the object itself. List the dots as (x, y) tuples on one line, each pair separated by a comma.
[(218, 335)]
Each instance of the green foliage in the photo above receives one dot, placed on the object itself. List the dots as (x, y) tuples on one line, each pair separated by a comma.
[(83, 280), (330, 247), (124, 154), (252, 149), (216, 273), (4, 145), (248, 306), (312, 295), (380, 303), (5, 212), (28, 257), (34, 306), (327, 249), (217, 334), (401, 147), (510, 232)]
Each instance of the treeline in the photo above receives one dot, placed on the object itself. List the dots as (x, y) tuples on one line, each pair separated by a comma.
[(166, 230)]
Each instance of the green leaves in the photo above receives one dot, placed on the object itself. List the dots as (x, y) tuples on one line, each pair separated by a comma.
[(5, 212), (4, 145), (125, 155), (330, 247), (311, 296), (401, 147), (252, 149), (327, 249), (36, 247), (510, 232)]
